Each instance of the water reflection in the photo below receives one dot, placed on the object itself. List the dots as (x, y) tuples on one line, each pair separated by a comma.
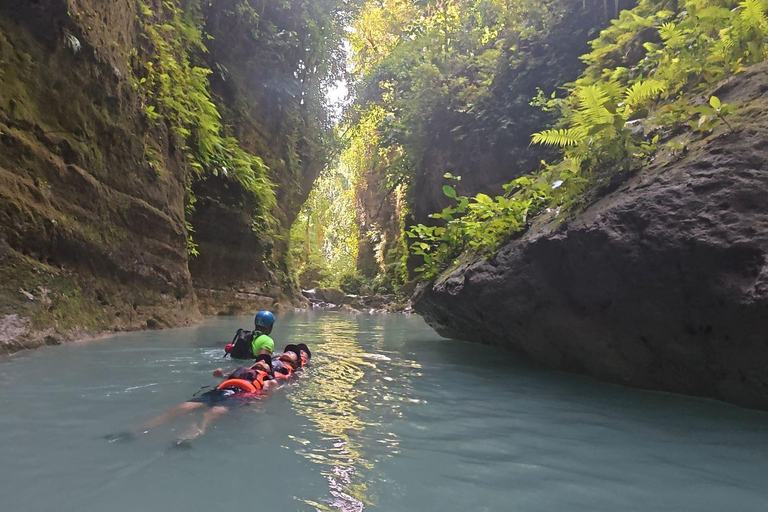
[(349, 395)]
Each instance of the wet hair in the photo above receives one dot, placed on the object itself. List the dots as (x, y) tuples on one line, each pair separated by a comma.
[(305, 348)]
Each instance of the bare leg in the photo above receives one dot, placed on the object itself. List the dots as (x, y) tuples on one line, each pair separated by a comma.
[(210, 415), (166, 416)]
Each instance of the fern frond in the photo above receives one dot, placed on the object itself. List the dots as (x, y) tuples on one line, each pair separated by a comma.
[(562, 137), (753, 13), (723, 46), (671, 35), (641, 92), (592, 101)]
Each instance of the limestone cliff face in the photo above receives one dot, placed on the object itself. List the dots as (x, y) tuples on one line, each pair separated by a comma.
[(91, 236), (259, 97), (660, 284)]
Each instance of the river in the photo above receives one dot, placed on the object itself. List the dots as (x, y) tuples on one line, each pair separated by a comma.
[(388, 417)]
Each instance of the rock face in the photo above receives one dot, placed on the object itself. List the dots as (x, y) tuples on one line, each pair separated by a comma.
[(255, 92), (661, 284), (92, 236)]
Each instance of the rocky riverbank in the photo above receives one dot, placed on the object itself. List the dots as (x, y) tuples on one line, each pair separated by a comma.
[(334, 299)]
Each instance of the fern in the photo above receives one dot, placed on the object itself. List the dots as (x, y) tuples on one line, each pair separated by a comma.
[(592, 101), (672, 35), (753, 14), (562, 137), (641, 92)]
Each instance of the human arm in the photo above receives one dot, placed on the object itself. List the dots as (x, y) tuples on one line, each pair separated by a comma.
[(270, 384), (262, 344)]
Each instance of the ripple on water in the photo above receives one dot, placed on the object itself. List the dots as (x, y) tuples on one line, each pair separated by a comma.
[(387, 417)]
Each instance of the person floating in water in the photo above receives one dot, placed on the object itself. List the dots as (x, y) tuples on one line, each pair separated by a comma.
[(249, 345), (287, 362), (240, 387)]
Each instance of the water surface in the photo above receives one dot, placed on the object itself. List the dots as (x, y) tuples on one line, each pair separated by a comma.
[(388, 417)]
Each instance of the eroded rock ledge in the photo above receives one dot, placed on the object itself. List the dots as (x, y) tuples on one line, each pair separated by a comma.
[(661, 284)]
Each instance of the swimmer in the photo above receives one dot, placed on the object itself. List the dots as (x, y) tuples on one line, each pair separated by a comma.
[(249, 345), (260, 375), (304, 353), (287, 362)]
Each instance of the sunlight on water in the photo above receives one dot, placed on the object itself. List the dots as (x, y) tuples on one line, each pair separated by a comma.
[(387, 417), (347, 401)]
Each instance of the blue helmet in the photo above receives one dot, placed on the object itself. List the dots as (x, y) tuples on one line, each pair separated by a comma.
[(264, 319)]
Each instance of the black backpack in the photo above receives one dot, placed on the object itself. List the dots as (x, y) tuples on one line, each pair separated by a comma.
[(242, 344)]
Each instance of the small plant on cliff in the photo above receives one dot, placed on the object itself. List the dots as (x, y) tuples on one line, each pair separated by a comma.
[(73, 43), (477, 224)]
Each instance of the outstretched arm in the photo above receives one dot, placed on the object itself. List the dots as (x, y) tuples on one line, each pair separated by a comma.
[(270, 384)]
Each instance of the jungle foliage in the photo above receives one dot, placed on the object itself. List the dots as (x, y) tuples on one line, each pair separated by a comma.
[(648, 76), (324, 236), (290, 50), (419, 63), (424, 62), (176, 91)]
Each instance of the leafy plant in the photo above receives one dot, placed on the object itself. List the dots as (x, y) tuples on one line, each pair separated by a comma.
[(177, 92), (477, 224), (73, 43)]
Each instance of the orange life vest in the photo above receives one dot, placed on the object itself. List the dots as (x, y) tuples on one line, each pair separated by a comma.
[(248, 387)]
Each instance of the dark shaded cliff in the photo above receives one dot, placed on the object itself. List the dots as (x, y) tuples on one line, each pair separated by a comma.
[(94, 188), (265, 93), (92, 237), (661, 284)]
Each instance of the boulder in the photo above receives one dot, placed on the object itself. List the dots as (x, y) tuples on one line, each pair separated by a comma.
[(332, 295), (660, 284)]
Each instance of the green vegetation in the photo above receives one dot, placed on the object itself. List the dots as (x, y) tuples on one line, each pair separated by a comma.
[(434, 64), (688, 51), (648, 76), (177, 92), (477, 224), (324, 236)]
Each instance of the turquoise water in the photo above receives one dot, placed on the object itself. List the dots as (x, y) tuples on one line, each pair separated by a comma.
[(388, 417)]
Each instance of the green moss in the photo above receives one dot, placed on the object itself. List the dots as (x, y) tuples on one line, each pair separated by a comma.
[(177, 90), (50, 297)]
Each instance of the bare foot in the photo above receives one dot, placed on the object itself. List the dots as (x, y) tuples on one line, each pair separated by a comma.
[(192, 433)]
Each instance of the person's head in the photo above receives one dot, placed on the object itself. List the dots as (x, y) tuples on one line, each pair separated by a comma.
[(291, 355), (304, 351), (263, 363), (264, 321)]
